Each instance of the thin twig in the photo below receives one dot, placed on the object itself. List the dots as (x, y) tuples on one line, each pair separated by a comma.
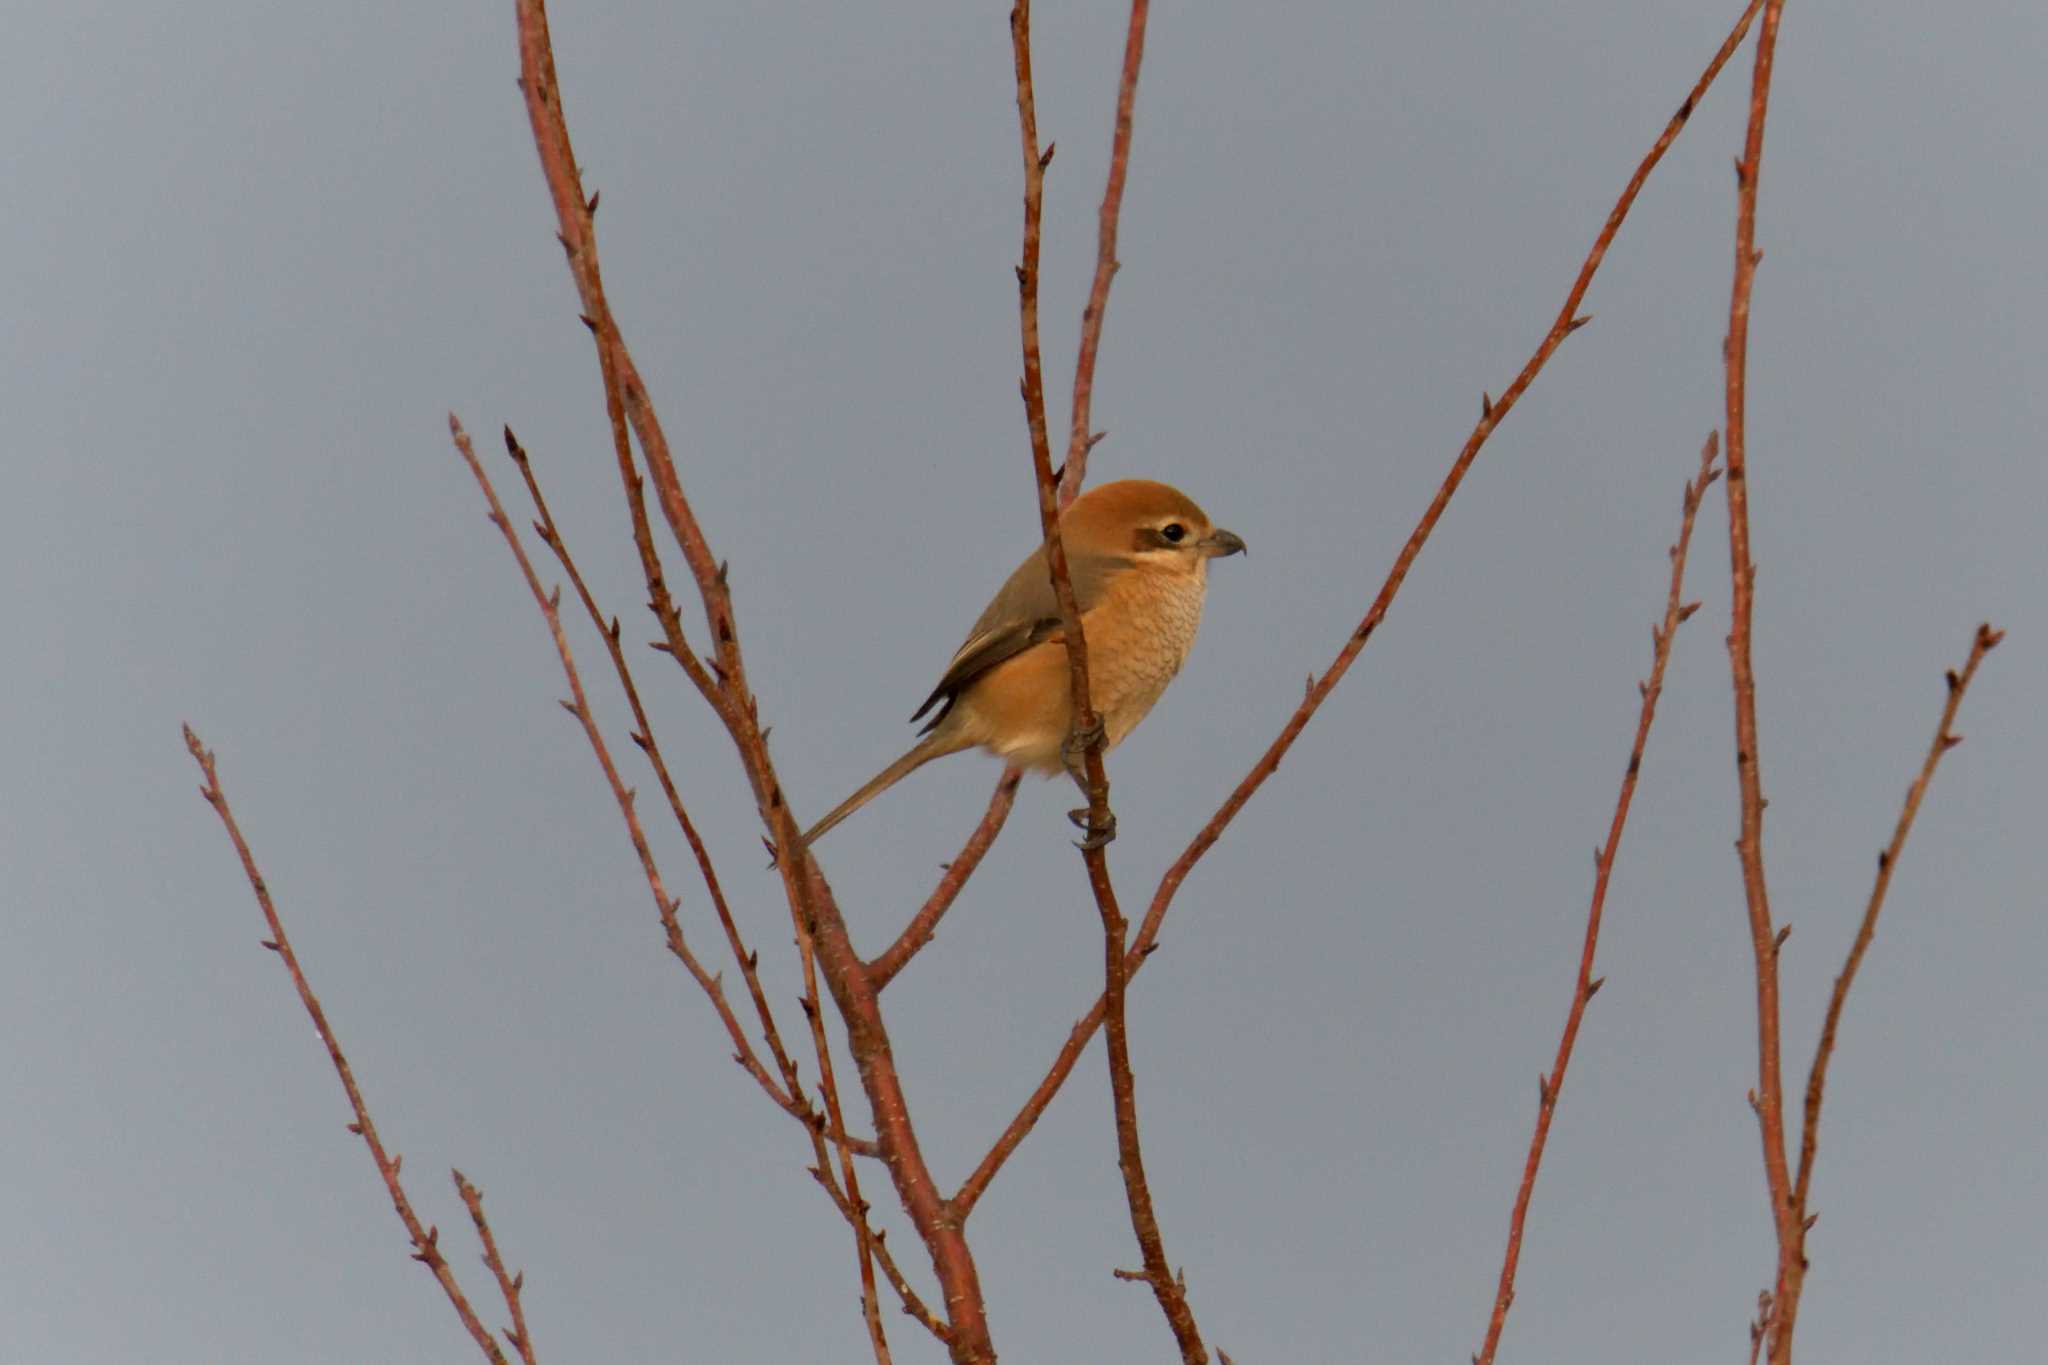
[(913, 1305), (1032, 386), (510, 1286), (579, 707), (789, 1096), (1676, 611), (1768, 1096), (1945, 739), (893, 959), (425, 1239), (1167, 1287), (1759, 1326), (1492, 411), (828, 1087), (1080, 439), (793, 1100)]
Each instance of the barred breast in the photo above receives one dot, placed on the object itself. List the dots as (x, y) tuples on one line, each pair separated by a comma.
[(1146, 625)]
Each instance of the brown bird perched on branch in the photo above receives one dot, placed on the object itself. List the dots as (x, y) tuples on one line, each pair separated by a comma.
[(1138, 554)]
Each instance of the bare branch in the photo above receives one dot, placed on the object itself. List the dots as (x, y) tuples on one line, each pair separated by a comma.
[(1080, 439), (789, 1096), (1749, 846), (913, 1305), (425, 1239), (509, 1286), (1945, 739), (1675, 612), (882, 970)]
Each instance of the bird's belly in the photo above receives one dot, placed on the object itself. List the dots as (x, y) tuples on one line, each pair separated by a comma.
[(1021, 710)]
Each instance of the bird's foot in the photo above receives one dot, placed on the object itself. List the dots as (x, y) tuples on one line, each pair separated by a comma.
[(1098, 834), (1074, 749)]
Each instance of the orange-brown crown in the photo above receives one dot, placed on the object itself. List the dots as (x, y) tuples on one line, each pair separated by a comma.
[(1107, 517)]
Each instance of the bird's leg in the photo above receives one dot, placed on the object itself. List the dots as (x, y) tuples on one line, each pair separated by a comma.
[(1073, 752)]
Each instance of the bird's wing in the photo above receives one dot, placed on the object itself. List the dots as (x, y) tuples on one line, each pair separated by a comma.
[(1023, 613)]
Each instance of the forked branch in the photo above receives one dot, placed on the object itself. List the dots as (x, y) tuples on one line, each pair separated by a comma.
[(426, 1241)]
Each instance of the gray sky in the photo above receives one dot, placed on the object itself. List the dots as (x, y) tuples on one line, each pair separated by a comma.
[(254, 255)]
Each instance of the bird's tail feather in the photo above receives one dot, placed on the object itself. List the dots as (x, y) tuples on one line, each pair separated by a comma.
[(921, 753)]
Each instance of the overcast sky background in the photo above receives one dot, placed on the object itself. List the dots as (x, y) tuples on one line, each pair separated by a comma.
[(255, 253)]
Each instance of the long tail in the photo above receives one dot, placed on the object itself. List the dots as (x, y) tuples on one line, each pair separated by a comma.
[(924, 751)]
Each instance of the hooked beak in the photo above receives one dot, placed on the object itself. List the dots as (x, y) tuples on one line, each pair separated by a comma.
[(1220, 542)]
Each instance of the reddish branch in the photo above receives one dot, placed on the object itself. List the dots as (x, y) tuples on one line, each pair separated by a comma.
[(1054, 491), (1768, 1096), (425, 1240), (1778, 1308), (925, 922), (868, 1243), (789, 1096), (814, 912), (828, 1087), (1676, 611), (831, 1123), (1492, 411), (1945, 739), (1080, 440), (1778, 1314), (579, 707), (849, 1201), (510, 1286)]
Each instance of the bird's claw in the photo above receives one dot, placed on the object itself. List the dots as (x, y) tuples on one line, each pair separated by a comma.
[(1074, 748), (1098, 834)]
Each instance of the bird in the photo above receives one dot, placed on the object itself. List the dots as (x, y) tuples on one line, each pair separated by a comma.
[(1138, 556)]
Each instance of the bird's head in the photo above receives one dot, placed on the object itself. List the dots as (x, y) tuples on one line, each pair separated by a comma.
[(1153, 525)]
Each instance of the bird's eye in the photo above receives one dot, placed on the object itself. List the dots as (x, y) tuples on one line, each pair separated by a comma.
[(1173, 533)]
